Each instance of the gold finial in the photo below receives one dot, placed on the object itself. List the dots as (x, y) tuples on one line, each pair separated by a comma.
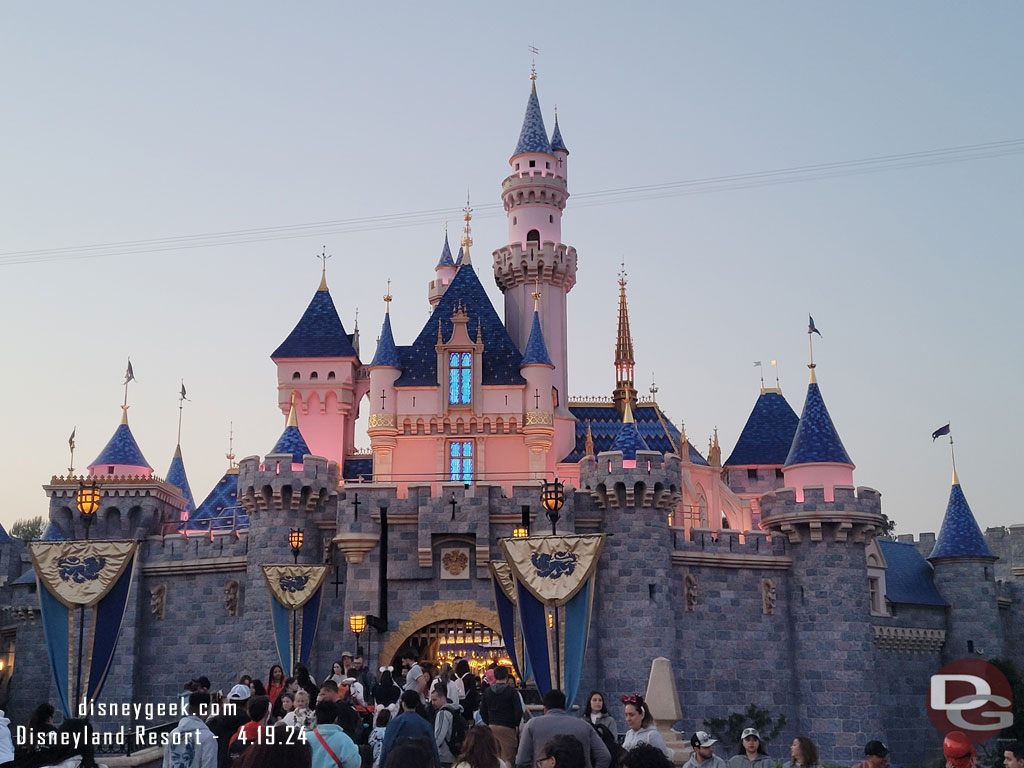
[(467, 235), (716, 437), (440, 338), (230, 455), (533, 64), (536, 291), (323, 271), (588, 446), (387, 299), (292, 419), (627, 417), (653, 389), (622, 272), (479, 332), (814, 379), (124, 413)]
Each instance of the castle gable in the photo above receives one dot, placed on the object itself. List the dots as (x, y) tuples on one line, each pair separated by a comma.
[(908, 577), (768, 434), (501, 358)]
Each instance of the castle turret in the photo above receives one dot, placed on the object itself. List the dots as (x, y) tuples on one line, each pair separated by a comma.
[(534, 196), (385, 368), (177, 477), (559, 149), (121, 455), (625, 391), (317, 367), (537, 368), (291, 441), (964, 567), (629, 440), (443, 273), (817, 456)]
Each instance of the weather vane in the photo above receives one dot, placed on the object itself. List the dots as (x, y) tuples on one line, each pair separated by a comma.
[(533, 64)]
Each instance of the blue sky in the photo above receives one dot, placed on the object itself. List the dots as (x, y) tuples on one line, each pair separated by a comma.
[(128, 122)]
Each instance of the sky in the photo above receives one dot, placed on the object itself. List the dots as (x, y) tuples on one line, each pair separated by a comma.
[(727, 136)]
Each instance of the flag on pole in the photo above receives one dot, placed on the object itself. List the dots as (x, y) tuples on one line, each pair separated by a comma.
[(183, 392), (757, 363), (810, 326), (129, 375), (71, 440), (940, 432)]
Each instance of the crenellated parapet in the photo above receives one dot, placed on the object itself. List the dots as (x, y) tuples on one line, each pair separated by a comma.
[(654, 483), (274, 485), (855, 514), (551, 263), (131, 506)]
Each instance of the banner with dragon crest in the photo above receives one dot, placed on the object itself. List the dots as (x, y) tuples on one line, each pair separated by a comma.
[(554, 582), (295, 609), (82, 575)]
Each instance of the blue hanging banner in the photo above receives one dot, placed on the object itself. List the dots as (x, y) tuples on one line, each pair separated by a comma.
[(295, 608), (505, 600), (554, 579), (72, 578)]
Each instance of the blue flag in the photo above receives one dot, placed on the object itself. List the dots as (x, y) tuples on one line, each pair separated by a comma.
[(810, 326), (940, 432)]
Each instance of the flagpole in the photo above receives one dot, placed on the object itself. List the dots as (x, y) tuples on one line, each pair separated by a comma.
[(71, 444), (952, 455), (810, 343), (181, 407)]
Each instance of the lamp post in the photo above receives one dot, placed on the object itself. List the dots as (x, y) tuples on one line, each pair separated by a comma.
[(357, 623), (295, 542), (552, 497), (88, 503), (295, 537)]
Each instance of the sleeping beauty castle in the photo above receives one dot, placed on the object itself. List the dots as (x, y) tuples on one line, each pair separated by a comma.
[(765, 578)]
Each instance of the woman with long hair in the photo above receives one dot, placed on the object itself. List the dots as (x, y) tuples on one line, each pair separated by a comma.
[(387, 692), (275, 682), (337, 672), (804, 753), (480, 750), (640, 725), (596, 713), (751, 753)]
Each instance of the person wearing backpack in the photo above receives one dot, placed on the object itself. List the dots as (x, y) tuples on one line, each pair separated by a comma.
[(449, 725), (469, 693), (502, 709)]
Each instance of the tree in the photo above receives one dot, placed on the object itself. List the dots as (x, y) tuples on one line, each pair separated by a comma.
[(888, 527), (728, 730), (28, 528)]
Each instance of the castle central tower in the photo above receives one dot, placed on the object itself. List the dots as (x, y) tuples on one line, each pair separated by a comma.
[(536, 259)]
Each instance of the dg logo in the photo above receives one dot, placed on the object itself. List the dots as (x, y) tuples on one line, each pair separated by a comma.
[(972, 696)]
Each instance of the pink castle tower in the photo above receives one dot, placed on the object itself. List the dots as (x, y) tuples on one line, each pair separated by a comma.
[(318, 366), (534, 196)]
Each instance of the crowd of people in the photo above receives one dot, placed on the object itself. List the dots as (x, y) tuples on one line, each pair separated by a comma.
[(423, 716)]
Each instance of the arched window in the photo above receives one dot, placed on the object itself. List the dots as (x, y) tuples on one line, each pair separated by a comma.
[(460, 378), (330, 375), (460, 468), (313, 376), (533, 236), (295, 375)]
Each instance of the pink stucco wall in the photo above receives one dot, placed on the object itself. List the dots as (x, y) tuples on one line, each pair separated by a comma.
[(827, 475)]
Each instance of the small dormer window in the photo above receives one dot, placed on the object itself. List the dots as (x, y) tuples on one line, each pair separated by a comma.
[(460, 378), (330, 375), (533, 163)]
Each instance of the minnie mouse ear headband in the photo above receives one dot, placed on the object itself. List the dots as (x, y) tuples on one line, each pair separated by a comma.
[(387, 669), (632, 698)]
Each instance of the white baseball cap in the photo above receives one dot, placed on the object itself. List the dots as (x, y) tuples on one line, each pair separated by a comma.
[(702, 739), (239, 693)]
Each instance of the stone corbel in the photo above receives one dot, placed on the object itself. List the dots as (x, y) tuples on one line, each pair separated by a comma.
[(843, 532), (792, 532), (356, 545), (815, 530)]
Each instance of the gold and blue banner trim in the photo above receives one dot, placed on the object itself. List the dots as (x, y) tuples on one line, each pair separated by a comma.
[(297, 592), (554, 595), (505, 601), (82, 575)]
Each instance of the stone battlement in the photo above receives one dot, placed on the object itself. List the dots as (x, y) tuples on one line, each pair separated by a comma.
[(517, 265), (727, 541), (274, 484), (855, 513), (654, 482)]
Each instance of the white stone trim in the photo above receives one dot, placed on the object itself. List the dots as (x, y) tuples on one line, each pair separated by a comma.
[(909, 639)]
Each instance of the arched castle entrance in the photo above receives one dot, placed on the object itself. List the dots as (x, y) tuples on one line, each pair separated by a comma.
[(437, 619)]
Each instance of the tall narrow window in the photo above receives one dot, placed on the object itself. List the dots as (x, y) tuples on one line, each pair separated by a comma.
[(461, 461), (460, 378)]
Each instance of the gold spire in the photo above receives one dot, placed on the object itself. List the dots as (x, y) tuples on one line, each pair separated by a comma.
[(230, 455), (387, 299), (588, 446), (684, 444), (627, 417), (714, 451), (814, 379), (533, 65), (124, 414), (292, 420), (467, 235), (956, 480), (536, 291), (624, 362), (323, 271)]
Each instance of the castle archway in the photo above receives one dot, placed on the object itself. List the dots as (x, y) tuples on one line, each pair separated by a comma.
[(434, 620)]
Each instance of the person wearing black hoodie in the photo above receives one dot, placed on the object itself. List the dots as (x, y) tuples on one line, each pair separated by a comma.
[(502, 709), (224, 725)]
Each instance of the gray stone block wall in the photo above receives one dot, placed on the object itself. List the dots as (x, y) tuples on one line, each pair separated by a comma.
[(974, 625)]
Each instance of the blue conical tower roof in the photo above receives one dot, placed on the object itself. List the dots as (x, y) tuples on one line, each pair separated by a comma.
[(768, 434), (446, 254), (816, 440), (536, 352), (556, 139), (629, 440), (122, 448), (387, 352), (458, 261), (176, 476), (220, 509), (319, 332), (960, 535), (291, 440), (533, 137)]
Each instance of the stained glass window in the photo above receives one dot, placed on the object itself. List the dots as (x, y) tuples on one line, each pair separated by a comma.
[(461, 461), (460, 378)]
